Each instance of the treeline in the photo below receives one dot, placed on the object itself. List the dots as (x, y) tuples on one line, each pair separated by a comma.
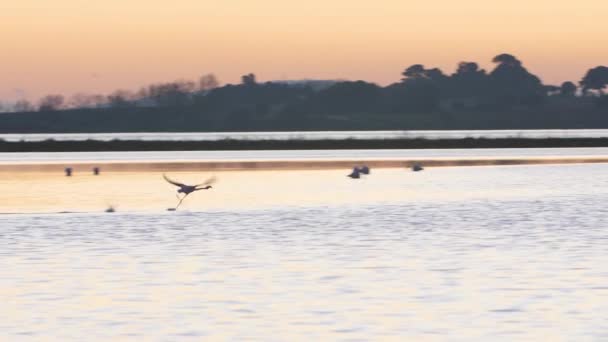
[(509, 96), (162, 94), (295, 144)]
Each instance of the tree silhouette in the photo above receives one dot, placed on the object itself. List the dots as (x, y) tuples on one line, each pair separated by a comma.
[(51, 103), (81, 100), (568, 89), (248, 80), (512, 84), (420, 89), (23, 106), (595, 79), (121, 99), (349, 97), (417, 72), (208, 82), (172, 94), (468, 68), (506, 60), (469, 82)]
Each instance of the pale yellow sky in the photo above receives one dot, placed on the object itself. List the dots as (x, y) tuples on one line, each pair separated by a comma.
[(69, 46)]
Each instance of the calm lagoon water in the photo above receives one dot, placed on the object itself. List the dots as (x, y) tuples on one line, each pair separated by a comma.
[(479, 253), (35, 157)]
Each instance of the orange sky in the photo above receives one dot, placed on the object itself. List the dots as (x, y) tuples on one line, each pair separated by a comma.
[(69, 46)]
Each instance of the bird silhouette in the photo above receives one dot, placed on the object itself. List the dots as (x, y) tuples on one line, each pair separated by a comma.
[(358, 171), (355, 174), (188, 189)]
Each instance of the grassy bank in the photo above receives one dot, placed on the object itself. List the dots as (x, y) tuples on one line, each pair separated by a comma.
[(226, 145)]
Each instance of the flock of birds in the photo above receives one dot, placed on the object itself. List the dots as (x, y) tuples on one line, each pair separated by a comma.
[(206, 185), (364, 170), (186, 189)]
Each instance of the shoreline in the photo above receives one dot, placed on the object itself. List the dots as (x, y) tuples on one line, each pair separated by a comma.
[(284, 165), (326, 144)]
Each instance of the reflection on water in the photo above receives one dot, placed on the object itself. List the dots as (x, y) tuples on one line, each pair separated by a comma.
[(514, 253)]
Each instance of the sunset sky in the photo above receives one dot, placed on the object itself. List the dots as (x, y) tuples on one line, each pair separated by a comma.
[(70, 46)]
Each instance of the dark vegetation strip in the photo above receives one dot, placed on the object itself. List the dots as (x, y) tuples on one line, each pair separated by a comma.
[(227, 145), (506, 97)]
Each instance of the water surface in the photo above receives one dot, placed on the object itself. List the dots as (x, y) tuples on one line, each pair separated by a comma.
[(480, 253), (34, 157)]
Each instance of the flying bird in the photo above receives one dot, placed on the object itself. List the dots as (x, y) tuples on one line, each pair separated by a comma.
[(188, 189)]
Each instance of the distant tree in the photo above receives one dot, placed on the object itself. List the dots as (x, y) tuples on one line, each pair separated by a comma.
[(244, 102), (468, 82), (595, 79), (208, 82), (81, 100), (176, 93), (51, 103), (248, 80), (420, 89), (142, 93), (121, 99), (78, 100), (512, 84), (568, 89), (468, 68), (98, 100), (417, 72), (349, 97), (507, 60), (23, 106)]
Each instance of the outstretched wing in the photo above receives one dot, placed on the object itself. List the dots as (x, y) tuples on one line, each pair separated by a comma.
[(209, 181), (173, 182)]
